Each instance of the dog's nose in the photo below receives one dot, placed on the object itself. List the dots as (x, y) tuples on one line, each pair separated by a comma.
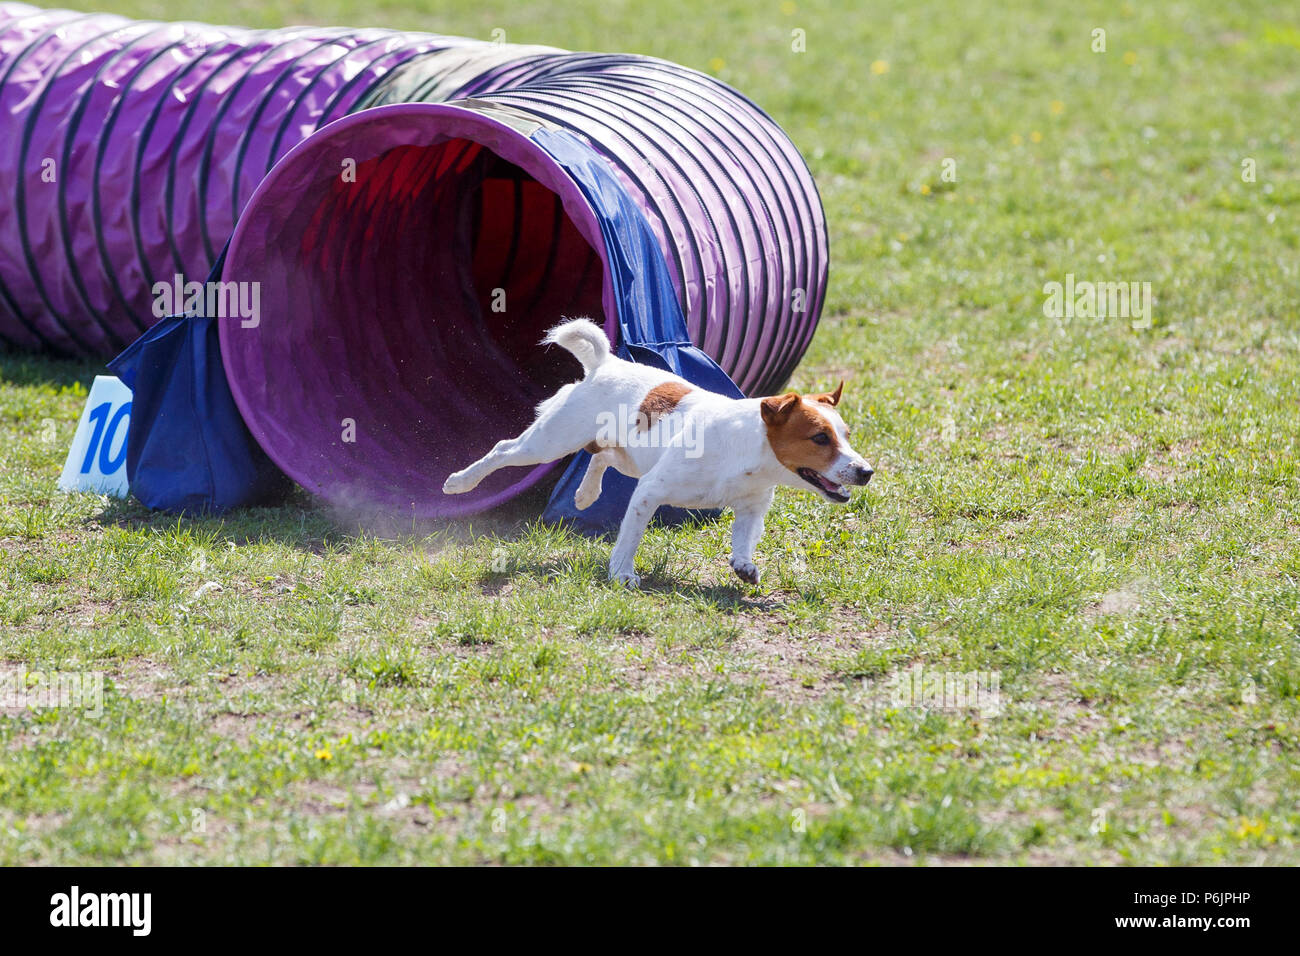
[(863, 475)]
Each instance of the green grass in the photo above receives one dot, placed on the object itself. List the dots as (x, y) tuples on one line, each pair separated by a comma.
[(1105, 517)]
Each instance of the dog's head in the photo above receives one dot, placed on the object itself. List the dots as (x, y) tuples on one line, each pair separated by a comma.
[(811, 440)]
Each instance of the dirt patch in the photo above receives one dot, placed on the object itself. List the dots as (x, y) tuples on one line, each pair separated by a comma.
[(793, 667), (1168, 465), (1070, 714), (790, 666), (1123, 600), (140, 678)]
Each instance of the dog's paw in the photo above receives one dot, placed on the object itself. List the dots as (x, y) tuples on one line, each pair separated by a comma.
[(627, 578), (745, 571), (584, 499), (458, 484)]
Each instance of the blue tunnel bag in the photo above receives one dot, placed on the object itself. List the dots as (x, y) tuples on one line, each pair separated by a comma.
[(188, 449)]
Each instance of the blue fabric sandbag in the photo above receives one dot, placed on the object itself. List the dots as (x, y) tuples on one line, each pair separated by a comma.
[(188, 449)]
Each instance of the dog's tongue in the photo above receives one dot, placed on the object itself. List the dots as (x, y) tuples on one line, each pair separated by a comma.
[(822, 482)]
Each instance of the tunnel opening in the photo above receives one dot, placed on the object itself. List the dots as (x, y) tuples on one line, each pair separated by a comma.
[(408, 261)]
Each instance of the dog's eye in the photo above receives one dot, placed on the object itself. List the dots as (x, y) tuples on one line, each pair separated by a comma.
[(822, 438)]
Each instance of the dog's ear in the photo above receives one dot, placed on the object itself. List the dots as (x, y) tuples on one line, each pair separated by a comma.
[(777, 408), (829, 398)]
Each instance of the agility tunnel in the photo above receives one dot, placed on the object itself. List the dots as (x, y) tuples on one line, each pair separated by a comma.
[(413, 212)]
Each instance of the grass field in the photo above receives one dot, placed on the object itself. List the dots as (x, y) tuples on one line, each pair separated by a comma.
[(1105, 518)]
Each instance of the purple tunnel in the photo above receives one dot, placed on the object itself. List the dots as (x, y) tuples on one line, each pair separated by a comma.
[(408, 240)]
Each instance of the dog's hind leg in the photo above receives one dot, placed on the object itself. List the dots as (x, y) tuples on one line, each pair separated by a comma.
[(552, 436), (589, 490), (602, 461)]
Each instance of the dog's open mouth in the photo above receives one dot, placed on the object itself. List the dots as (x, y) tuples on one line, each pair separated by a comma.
[(824, 485)]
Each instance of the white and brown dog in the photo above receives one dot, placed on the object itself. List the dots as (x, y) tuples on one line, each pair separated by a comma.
[(687, 446)]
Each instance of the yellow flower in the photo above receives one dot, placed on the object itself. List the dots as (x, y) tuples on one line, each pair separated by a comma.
[(1248, 828), (880, 67), (1130, 58), (716, 64), (1016, 139), (925, 189), (324, 754), (788, 8), (1057, 107), (1036, 136)]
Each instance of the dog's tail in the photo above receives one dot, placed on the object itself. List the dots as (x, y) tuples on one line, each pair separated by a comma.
[(584, 339)]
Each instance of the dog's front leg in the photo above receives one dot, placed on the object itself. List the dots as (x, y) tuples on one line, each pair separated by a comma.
[(646, 500), (745, 532)]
